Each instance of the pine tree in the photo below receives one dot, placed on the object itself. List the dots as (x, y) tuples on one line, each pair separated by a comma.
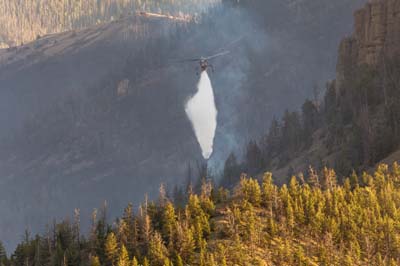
[(168, 226), (146, 262), (94, 261), (134, 262), (196, 216), (224, 263), (231, 172), (273, 139), (130, 231), (167, 262), (145, 225), (211, 260), (291, 132), (162, 196), (268, 192), (123, 259), (354, 180), (3, 255), (313, 178), (184, 242), (299, 225), (329, 179), (254, 158), (249, 189), (111, 249), (290, 216), (157, 250), (178, 196), (178, 261), (310, 120)]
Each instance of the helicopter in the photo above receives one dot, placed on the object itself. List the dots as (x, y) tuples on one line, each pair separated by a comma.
[(204, 61)]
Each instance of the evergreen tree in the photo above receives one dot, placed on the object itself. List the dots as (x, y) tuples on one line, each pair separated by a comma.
[(231, 171), (272, 144), (168, 226), (130, 230), (184, 241), (111, 249), (254, 158), (313, 178), (146, 262), (3, 255), (134, 262), (157, 250), (291, 131), (296, 224), (178, 196), (178, 261), (123, 259), (94, 261), (249, 189), (310, 119)]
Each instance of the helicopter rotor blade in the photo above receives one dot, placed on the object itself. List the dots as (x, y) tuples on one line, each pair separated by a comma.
[(185, 60), (191, 60), (232, 43), (217, 55)]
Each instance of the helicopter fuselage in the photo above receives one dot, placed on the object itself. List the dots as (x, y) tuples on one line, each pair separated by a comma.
[(204, 61), (203, 65)]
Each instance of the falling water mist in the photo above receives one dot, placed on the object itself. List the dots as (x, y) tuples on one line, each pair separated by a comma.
[(202, 112)]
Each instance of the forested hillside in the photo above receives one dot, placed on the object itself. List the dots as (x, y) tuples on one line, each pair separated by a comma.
[(355, 124), (103, 107), (86, 110), (302, 37), (307, 222), (24, 21)]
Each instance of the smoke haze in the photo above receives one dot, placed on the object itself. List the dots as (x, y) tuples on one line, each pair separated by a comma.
[(68, 134), (202, 112)]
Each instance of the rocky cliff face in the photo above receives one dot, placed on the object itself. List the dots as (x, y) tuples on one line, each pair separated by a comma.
[(362, 103), (377, 30), (376, 36)]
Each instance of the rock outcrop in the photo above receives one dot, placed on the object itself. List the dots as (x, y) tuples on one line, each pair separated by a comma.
[(376, 36), (375, 42)]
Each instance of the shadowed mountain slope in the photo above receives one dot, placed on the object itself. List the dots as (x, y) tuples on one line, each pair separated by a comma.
[(90, 116), (98, 114)]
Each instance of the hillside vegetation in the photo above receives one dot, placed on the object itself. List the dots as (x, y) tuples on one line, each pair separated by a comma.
[(86, 110), (101, 107), (312, 222), (355, 123), (24, 21)]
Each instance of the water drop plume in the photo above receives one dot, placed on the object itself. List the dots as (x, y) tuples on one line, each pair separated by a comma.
[(202, 112)]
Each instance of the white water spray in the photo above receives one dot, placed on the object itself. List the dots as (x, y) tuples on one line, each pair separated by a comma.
[(202, 112)]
